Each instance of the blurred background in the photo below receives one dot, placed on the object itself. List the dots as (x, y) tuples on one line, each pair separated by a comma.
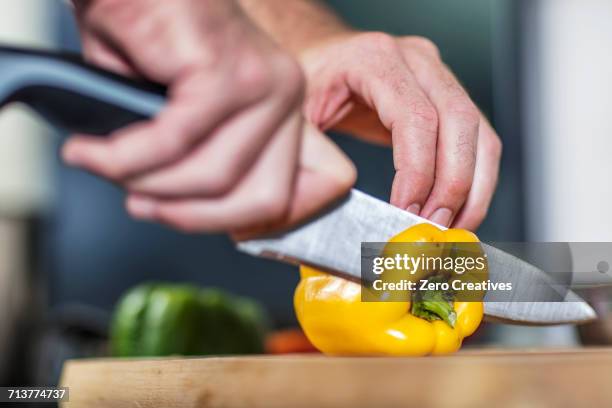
[(538, 69)]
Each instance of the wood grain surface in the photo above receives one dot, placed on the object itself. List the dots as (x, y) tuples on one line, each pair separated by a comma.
[(484, 378)]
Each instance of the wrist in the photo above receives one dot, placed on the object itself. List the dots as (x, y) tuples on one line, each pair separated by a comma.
[(318, 55), (324, 35), (308, 49)]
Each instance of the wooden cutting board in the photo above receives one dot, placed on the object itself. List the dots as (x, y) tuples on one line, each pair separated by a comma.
[(494, 378)]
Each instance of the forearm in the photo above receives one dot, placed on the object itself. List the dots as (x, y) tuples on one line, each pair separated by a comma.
[(296, 24)]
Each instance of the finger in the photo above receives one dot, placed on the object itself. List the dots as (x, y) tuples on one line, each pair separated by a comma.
[(325, 175), (459, 121), (188, 119), (485, 179), (362, 123), (100, 53), (406, 111), (262, 196), (323, 104), (334, 107), (216, 166)]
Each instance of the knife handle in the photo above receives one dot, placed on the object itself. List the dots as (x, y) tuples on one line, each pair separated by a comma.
[(73, 94)]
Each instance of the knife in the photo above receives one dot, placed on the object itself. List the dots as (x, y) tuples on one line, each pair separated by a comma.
[(79, 97), (332, 241)]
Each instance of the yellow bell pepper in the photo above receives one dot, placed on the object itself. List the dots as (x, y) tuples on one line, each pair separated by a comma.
[(336, 321)]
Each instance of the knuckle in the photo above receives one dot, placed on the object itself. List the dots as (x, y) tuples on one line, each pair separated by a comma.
[(457, 187), (425, 45), (379, 41), (464, 108), (423, 115), (204, 60), (253, 74)]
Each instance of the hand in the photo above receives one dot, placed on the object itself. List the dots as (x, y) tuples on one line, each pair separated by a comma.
[(398, 90), (227, 153)]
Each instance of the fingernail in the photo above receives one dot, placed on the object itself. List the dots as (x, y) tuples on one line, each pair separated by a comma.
[(414, 208), (142, 208), (442, 216)]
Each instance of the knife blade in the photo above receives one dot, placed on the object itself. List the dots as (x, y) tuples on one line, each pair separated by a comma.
[(332, 241)]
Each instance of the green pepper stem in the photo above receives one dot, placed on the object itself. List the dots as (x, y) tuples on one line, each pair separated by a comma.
[(434, 305)]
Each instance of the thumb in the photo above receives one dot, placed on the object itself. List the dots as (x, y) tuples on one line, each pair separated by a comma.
[(324, 176)]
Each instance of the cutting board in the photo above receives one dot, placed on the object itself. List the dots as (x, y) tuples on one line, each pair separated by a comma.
[(493, 378)]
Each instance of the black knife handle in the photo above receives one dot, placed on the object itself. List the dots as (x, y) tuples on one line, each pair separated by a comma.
[(74, 95)]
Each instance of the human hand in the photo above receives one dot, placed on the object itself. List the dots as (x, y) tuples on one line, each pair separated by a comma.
[(397, 90), (227, 153)]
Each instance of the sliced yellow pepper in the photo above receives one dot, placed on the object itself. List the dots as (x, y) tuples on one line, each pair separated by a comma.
[(336, 321)]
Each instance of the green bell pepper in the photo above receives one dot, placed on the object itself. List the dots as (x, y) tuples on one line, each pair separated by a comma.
[(157, 319)]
